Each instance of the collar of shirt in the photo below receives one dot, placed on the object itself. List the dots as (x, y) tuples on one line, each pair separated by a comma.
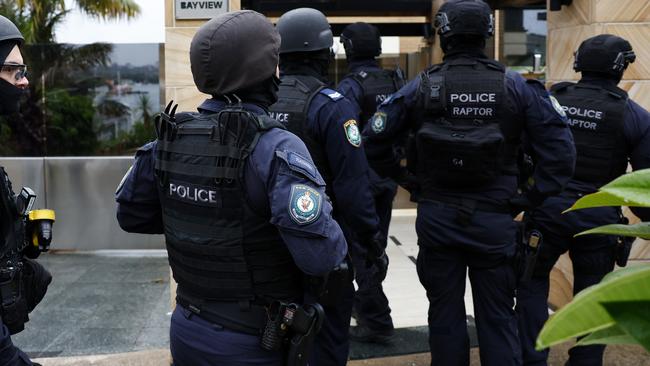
[(465, 53), (215, 105)]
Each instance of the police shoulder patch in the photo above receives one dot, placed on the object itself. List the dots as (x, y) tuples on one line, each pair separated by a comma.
[(332, 94), (378, 122), (557, 106), (352, 132), (305, 204)]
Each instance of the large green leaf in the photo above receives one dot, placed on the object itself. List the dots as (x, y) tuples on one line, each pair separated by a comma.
[(611, 335), (640, 230), (627, 190), (633, 317), (585, 314), (607, 198), (639, 179)]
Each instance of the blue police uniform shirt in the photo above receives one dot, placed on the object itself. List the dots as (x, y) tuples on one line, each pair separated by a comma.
[(279, 163), (636, 132), (545, 127), (328, 120), (351, 88)]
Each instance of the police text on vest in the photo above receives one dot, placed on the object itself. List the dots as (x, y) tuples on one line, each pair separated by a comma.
[(193, 194)]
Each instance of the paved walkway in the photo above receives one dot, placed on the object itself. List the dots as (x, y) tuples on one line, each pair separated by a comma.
[(118, 301)]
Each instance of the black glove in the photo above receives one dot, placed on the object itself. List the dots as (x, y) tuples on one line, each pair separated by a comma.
[(376, 254), (407, 181), (525, 202)]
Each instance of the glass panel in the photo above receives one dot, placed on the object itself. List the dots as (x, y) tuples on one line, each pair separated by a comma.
[(524, 40)]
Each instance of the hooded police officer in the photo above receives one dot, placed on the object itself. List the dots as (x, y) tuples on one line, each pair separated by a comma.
[(34, 278), (239, 199), (366, 86), (327, 122), (609, 130), (469, 115)]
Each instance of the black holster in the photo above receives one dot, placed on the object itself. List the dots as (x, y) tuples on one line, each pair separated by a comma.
[(623, 246), (306, 325), (294, 327), (529, 244), (328, 289)]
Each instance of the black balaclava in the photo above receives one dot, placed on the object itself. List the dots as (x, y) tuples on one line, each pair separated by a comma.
[(10, 95), (463, 44), (601, 78), (263, 94), (314, 63)]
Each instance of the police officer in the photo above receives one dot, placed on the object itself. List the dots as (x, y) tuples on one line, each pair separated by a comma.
[(242, 206), (33, 277), (469, 115), (326, 122), (366, 86), (609, 130)]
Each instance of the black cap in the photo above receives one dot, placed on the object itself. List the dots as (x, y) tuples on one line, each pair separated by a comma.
[(304, 30), (234, 51), (469, 17), (605, 53), (10, 37), (361, 40)]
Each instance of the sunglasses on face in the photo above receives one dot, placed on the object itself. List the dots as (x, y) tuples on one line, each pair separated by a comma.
[(20, 70)]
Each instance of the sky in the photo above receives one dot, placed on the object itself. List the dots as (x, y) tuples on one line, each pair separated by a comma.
[(149, 27)]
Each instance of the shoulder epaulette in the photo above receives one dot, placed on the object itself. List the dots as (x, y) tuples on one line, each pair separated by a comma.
[(332, 94)]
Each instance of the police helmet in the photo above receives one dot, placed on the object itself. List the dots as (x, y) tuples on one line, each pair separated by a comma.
[(361, 40), (10, 36), (9, 31), (604, 53), (234, 51), (469, 17), (304, 30)]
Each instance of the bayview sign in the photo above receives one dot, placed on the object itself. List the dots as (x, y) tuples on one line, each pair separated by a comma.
[(200, 9)]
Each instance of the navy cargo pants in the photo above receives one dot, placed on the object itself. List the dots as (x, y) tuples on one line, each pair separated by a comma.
[(197, 342), (593, 256), (370, 302), (448, 250)]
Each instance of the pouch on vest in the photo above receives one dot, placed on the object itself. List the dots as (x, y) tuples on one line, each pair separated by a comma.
[(460, 156)]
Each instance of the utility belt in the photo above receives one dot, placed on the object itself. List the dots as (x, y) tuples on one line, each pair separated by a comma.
[(242, 317), (466, 206)]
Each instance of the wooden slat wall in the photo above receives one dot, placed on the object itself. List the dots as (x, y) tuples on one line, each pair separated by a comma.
[(629, 19)]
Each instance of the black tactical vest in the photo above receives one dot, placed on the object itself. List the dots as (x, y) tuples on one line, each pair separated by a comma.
[(219, 248), (467, 135), (294, 98), (377, 86), (596, 118)]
